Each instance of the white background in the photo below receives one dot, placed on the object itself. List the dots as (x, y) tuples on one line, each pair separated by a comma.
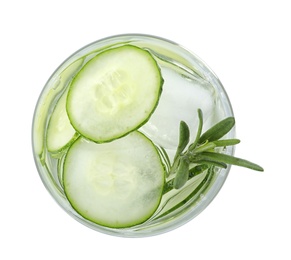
[(246, 43)]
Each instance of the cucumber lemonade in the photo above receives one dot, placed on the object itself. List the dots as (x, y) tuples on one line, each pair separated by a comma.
[(116, 135)]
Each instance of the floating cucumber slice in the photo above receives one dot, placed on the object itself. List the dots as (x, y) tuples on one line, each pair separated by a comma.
[(116, 184), (60, 132), (114, 93)]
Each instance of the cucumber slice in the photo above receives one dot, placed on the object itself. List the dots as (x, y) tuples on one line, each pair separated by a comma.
[(115, 93), (57, 85), (117, 184), (60, 132)]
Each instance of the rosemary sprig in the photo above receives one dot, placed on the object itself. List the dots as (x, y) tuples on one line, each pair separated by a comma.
[(203, 153)]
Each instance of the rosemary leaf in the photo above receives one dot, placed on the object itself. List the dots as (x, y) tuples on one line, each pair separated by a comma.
[(228, 159), (218, 130), (183, 138), (182, 173), (199, 130), (209, 162), (226, 142), (204, 147)]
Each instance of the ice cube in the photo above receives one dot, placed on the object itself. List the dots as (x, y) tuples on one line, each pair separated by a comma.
[(181, 97)]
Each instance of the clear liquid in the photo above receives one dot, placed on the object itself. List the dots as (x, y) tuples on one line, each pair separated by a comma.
[(185, 90)]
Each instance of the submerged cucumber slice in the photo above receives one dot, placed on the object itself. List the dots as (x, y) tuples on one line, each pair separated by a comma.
[(116, 184), (57, 85), (115, 93), (60, 132)]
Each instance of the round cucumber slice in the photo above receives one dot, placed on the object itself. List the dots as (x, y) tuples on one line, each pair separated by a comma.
[(115, 93), (60, 132), (116, 184)]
